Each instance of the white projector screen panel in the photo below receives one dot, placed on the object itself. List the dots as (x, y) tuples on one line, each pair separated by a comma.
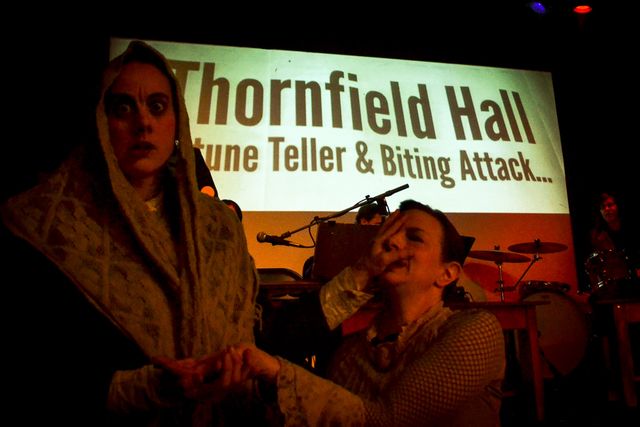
[(295, 135)]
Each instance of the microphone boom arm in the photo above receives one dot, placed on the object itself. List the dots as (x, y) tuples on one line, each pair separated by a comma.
[(368, 200)]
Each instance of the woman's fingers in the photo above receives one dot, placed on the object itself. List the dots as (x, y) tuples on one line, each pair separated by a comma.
[(211, 377), (380, 254)]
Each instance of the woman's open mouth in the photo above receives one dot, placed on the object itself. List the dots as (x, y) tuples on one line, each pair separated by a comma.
[(141, 149)]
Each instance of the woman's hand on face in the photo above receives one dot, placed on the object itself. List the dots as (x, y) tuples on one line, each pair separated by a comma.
[(382, 252)]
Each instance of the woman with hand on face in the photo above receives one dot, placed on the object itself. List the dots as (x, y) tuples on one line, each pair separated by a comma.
[(129, 265), (419, 363)]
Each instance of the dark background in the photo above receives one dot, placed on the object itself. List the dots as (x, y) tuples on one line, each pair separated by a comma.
[(53, 60)]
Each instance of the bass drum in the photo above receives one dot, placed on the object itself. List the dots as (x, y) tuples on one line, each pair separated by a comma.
[(563, 332)]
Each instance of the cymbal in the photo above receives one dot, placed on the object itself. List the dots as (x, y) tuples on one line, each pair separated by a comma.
[(498, 256), (537, 247)]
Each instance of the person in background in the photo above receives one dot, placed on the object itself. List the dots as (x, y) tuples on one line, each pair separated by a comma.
[(371, 214), (234, 207), (613, 269), (614, 241), (419, 363), (134, 278)]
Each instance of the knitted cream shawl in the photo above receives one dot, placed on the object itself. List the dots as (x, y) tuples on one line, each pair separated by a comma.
[(179, 296)]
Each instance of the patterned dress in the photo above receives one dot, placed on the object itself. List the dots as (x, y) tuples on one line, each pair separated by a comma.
[(446, 368)]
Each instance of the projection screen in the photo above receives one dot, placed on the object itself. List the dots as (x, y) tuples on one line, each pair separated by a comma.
[(294, 135)]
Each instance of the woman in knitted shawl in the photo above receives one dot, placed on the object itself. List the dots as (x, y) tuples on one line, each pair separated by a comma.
[(125, 261)]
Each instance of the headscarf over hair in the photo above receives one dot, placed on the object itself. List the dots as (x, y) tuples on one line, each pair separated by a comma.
[(179, 292)]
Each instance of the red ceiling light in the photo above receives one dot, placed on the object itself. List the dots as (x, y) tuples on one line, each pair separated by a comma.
[(582, 9)]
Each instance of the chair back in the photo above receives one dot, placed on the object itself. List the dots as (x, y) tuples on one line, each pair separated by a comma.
[(278, 274)]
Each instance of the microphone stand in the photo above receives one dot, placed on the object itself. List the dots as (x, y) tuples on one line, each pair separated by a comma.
[(367, 201)]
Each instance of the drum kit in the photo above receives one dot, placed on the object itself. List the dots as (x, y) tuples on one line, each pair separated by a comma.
[(563, 329), (534, 248), (606, 268), (563, 332)]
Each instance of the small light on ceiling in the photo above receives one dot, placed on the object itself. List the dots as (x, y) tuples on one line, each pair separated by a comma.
[(537, 7), (582, 9)]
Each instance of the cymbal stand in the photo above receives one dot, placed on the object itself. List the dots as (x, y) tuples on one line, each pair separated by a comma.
[(500, 281), (500, 278), (536, 257)]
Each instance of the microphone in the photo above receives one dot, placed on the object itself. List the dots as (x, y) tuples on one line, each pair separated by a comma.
[(380, 199), (394, 191), (263, 237)]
